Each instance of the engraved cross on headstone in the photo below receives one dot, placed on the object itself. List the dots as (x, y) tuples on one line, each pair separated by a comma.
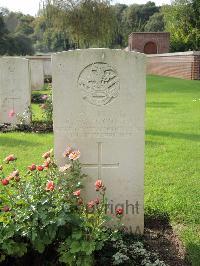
[(13, 101), (100, 165), (4, 101)]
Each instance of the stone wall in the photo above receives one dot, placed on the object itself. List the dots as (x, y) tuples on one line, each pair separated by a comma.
[(184, 65), (149, 42)]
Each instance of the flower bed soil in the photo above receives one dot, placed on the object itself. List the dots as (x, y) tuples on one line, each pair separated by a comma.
[(35, 127), (159, 238)]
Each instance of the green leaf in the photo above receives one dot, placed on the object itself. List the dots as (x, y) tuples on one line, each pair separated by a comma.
[(2, 258), (88, 247), (77, 235), (33, 235), (75, 247), (39, 246)]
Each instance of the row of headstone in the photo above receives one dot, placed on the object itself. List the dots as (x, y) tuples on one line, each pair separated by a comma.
[(41, 68), (37, 74), (18, 77), (99, 106)]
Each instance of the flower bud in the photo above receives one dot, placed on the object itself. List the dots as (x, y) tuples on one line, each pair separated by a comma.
[(40, 168), (5, 182), (119, 211), (50, 186), (77, 193), (32, 167), (10, 158), (98, 185), (5, 209), (91, 204)]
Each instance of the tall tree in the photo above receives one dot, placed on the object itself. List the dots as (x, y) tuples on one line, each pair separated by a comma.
[(12, 20), (182, 20), (25, 25), (3, 29), (3, 36), (155, 23), (16, 42), (135, 17), (51, 31), (88, 22), (119, 40)]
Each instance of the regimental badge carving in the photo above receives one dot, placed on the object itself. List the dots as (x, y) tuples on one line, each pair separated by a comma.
[(99, 84)]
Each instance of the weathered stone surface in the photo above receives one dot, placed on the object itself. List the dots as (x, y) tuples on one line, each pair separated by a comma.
[(15, 90), (47, 67), (99, 105), (37, 74)]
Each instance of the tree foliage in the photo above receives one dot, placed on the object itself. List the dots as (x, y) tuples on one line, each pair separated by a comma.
[(136, 16), (15, 29), (155, 23), (48, 35), (182, 20), (69, 24), (86, 22)]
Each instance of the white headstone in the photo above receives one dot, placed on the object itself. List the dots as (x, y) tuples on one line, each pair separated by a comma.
[(37, 74), (99, 106), (47, 67), (15, 90)]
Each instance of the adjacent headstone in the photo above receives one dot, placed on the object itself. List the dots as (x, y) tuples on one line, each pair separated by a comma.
[(47, 67), (99, 106), (15, 90), (37, 74)]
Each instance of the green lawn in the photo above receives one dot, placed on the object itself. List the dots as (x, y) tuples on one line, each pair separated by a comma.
[(37, 114), (172, 183), (28, 147), (45, 90), (172, 173)]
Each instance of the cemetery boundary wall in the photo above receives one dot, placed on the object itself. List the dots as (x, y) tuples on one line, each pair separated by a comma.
[(185, 65)]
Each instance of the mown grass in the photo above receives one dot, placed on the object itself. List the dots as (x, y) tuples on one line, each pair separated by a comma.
[(45, 90), (172, 167), (28, 147), (37, 114)]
